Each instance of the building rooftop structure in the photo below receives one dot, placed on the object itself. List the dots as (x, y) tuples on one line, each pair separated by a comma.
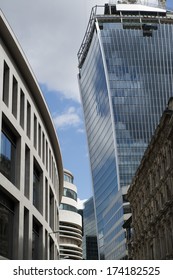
[(129, 15)]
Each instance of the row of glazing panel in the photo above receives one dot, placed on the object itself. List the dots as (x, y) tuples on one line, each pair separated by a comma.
[(100, 133), (140, 75)]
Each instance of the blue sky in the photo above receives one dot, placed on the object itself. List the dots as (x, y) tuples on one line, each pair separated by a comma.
[(50, 33), (68, 118), (170, 4)]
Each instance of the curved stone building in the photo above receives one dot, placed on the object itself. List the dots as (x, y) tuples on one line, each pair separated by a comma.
[(70, 222), (31, 172)]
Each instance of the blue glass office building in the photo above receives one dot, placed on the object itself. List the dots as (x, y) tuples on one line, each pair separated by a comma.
[(125, 79), (89, 244)]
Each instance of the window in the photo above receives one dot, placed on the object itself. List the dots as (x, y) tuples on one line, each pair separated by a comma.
[(51, 209), (46, 245), (126, 209), (50, 163), (36, 240), (51, 248), (68, 178), (27, 172), (6, 84), (67, 207), (43, 147), (125, 200), (39, 140), (22, 108), (35, 132), (46, 199), (26, 234), (70, 193), (37, 187), (14, 97), (46, 155), (8, 155), (6, 226), (28, 119)]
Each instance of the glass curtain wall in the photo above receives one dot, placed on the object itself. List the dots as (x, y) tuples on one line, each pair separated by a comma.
[(126, 79)]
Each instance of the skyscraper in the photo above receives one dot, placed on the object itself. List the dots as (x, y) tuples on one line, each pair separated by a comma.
[(90, 248), (125, 79)]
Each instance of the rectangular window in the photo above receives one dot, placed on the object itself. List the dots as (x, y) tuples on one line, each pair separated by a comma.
[(27, 172), (6, 77), (37, 240), (51, 210), (52, 169), (8, 155), (50, 163), (43, 147), (46, 245), (35, 132), (14, 97), (6, 226), (26, 234), (37, 187), (28, 129), (46, 199), (46, 155), (22, 108), (39, 140), (51, 248)]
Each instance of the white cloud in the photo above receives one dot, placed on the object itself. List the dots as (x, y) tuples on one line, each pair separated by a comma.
[(67, 118), (51, 32), (81, 130), (80, 203)]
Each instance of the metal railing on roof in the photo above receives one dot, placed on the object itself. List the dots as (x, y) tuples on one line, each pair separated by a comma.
[(109, 12), (88, 34)]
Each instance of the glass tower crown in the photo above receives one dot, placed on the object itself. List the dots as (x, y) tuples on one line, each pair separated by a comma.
[(125, 79)]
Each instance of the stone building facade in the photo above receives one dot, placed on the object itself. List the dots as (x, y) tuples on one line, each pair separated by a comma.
[(151, 195), (31, 169)]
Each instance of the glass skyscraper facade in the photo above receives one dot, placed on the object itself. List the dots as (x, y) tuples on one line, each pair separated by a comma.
[(89, 244), (125, 79)]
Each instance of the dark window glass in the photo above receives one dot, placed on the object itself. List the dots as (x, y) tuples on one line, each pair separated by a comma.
[(125, 200), (51, 209), (35, 241), (22, 108), (36, 185), (51, 248), (126, 209), (70, 193), (28, 119), (14, 97), (35, 131), (68, 178), (6, 84), (67, 207), (7, 157), (6, 226)]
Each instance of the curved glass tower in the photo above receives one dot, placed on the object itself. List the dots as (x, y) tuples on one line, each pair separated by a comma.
[(125, 79)]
